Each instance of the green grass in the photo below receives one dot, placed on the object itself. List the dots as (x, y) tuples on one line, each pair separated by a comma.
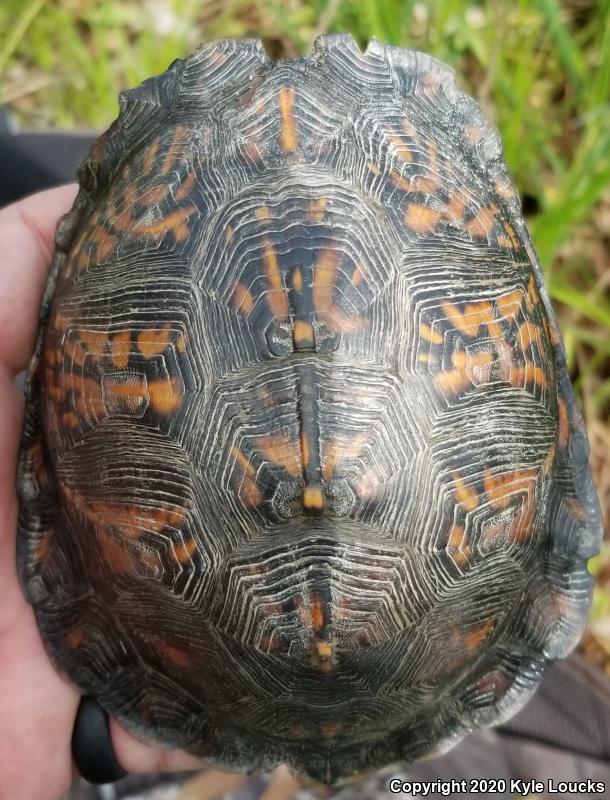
[(540, 68)]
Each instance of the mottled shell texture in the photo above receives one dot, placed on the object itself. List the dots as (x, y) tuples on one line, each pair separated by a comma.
[(303, 479)]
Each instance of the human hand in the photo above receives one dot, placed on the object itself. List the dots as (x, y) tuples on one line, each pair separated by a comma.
[(37, 706)]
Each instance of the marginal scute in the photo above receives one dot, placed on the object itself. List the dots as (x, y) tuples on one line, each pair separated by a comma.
[(300, 439), (231, 64)]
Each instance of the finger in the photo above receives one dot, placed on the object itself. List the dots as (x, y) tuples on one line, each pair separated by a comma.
[(27, 231), (11, 403), (212, 784), (136, 756), (37, 706)]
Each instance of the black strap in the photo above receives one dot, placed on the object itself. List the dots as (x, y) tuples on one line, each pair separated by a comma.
[(92, 746)]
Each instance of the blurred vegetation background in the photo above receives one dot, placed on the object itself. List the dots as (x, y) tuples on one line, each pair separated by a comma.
[(541, 70)]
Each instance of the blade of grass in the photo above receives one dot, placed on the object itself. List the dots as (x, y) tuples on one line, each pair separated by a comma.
[(589, 337), (568, 52), (581, 189), (599, 84), (579, 302), (25, 19)]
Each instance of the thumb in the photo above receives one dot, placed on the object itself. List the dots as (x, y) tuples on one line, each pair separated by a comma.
[(137, 756)]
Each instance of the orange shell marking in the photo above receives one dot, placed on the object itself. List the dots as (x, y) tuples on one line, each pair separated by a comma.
[(288, 134), (120, 346), (313, 498), (465, 495), (278, 298), (248, 491), (280, 449), (242, 300), (421, 219), (324, 285), (166, 394), (154, 342)]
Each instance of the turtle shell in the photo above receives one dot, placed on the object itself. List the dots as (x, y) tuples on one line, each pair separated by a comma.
[(303, 479)]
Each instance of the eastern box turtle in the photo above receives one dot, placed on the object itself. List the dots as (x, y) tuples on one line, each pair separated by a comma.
[(302, 478)]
